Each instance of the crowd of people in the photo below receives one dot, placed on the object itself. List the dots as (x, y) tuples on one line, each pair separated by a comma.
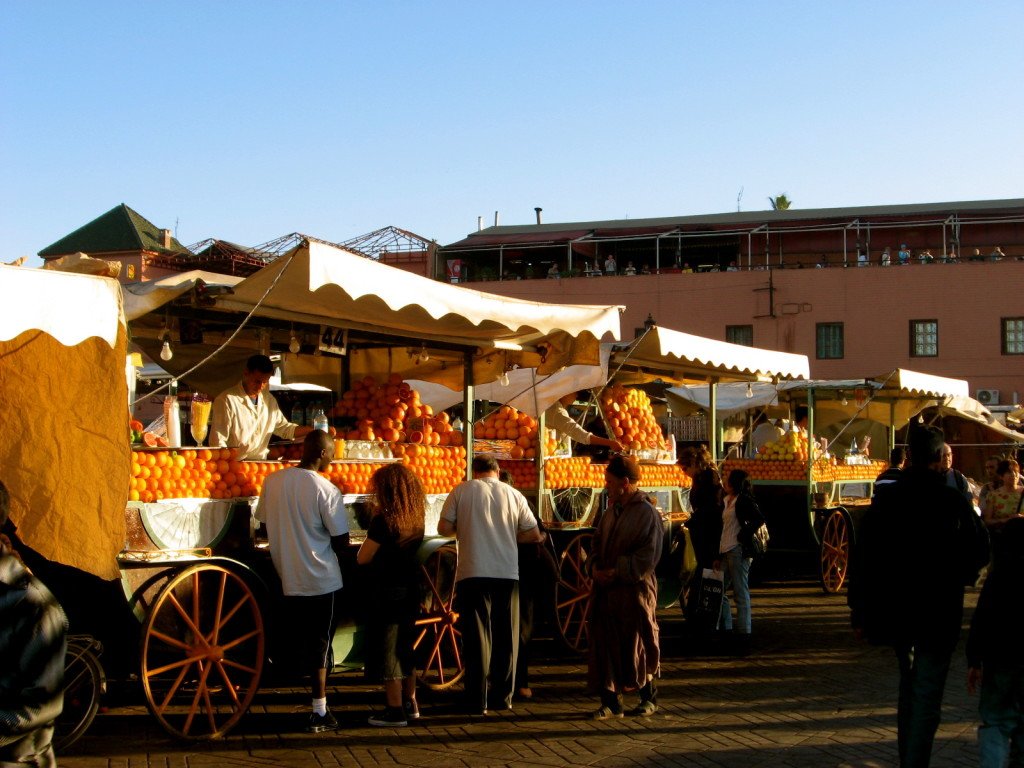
[(920, 545), (861, 256)]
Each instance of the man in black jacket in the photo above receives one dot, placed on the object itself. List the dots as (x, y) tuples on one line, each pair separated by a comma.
[(919, 545)]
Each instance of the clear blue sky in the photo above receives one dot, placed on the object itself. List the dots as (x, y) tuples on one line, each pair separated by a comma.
[(246, 120)]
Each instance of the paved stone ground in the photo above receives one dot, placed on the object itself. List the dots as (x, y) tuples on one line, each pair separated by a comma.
[(809, 696)]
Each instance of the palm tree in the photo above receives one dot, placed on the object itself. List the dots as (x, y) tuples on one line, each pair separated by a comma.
[(780, 202)]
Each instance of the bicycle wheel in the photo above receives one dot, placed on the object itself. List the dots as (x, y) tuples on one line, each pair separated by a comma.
[(84, 684)]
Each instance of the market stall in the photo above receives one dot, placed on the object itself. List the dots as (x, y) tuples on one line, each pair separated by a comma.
[(172, 517), (815, 483)]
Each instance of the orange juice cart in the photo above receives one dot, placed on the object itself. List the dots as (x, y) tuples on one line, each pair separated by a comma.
[(814, 493), (173, 524)]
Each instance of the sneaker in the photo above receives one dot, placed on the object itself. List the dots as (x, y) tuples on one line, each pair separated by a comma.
[(605, 713), (321, 723), (392, 717), (644, 709), (411, 708)]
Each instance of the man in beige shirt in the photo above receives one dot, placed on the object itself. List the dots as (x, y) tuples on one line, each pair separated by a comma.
[(246, 415)]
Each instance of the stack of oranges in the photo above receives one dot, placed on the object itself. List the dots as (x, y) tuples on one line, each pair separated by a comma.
[(663, 476), (575, 472), (440, 468), (392, 411), (213, 473), (524, 473), (759, 469), (507, 423), (629, 416)]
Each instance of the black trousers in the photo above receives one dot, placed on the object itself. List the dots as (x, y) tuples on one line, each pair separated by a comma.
[(489, 624)]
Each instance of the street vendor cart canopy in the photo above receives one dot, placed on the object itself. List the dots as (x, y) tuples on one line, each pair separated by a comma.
[(891, 399), (678, 357), (64, 445), (379, 307)]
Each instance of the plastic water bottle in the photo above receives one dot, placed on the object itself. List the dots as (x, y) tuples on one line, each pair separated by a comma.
[(320, 420)]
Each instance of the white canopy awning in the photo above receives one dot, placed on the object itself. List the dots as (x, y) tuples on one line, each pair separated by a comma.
[(142, 298), (677, 356), (320, 283), (891, 399), (69, 307)]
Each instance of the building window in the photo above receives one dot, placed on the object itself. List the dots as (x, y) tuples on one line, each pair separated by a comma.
[(830, 341), (740, 334), (924, 338), (1013, 335)]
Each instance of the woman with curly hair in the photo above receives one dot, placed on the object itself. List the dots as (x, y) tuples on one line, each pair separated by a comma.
[(389, 553)]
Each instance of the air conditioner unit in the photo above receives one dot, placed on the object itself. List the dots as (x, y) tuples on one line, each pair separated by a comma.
[(988, 396)]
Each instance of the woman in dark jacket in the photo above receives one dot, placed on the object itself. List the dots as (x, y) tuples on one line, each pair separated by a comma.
[(705, 523), (740, 518), (704, 526)]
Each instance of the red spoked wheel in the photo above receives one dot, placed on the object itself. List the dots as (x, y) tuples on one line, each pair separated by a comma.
[(438, 644), (835, 552), (573, 593), (202, 652)]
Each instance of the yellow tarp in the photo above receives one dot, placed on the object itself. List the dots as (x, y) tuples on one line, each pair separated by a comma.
[(64, 446)]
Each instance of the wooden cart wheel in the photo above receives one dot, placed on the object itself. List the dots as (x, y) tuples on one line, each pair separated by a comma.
[(437, 643), (835, 552), (202, 652), (572, 593)]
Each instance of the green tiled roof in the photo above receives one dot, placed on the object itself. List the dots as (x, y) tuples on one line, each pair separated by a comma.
[(119, 229)]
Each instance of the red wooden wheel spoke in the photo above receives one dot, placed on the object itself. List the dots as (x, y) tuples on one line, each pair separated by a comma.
[(173, 665), (228, 685), (241, 639), (172, 641), (217, 624), (239, 667), (173, 689), (200, 690), (173, 600), (231, 614)]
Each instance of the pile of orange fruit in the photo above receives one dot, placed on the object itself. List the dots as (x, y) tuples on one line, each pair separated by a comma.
[(524, 473), (629, 416), (440, 468), (507, 423), (663, 476), (574, 472), (213, 473), (768, 470), (824, 471), (391, 410), (792, 446)]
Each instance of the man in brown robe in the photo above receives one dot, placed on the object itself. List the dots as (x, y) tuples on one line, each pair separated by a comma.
[(624, 652)]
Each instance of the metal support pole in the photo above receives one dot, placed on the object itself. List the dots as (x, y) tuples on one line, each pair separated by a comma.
[(467, 407), (713, 419)]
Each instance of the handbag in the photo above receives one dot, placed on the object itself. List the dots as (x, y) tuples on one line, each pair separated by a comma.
[(705, 604), (759, 541)]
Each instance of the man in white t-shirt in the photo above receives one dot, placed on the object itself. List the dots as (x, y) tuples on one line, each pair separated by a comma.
[(489, 519), (307, 526)]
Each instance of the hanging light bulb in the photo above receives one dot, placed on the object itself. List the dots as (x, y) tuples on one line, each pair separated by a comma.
[(503, 379), (165, 351), (294, 345), (843, 400), (750, 390), (424, 356)]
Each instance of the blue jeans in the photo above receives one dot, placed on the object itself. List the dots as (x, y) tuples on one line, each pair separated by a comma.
[(1001, 708), (736, 573), (923, 674)]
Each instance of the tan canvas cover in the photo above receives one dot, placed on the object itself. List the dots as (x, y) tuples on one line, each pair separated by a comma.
[(64, 445)]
